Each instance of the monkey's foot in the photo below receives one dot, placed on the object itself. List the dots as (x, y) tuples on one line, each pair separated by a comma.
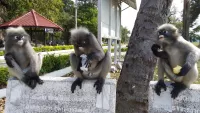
[(178, 87), (99, 85), (77, 82), (160, 84), (32, 81), (29, 81), (40, 81)]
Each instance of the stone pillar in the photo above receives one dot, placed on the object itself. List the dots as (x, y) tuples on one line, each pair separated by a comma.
[(188, 101), (55, 96)]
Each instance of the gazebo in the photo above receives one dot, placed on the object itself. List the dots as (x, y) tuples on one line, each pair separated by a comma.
[(33, 22)]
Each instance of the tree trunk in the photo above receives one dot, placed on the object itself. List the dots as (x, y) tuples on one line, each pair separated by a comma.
[(139, 64), (186, 19)]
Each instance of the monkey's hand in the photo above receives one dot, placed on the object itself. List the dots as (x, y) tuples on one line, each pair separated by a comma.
[(160, 84), (98, 56), (8, 57), (99, 85), (155, 47), (184, 70), (31, 79), (156, 51), (77, 82), (91, 56)]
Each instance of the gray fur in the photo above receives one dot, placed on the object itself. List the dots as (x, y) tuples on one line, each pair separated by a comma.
[(175, 51), (180, 52), (23, 58), (99, 63)]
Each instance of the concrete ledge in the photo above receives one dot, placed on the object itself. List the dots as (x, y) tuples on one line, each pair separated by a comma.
[(59, 73), (3, 93), (188, 101), (55, 96)]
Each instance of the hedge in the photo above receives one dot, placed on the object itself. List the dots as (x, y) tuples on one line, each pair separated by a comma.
[(52, 63), (48, 48), (3, 75), (1, 53), (53, 48)]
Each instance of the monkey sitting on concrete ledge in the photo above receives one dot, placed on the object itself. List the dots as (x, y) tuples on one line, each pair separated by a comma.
[(97, 64), (20, 57), (175, 51)]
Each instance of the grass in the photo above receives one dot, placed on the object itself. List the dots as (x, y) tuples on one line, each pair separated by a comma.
[(196, 43)]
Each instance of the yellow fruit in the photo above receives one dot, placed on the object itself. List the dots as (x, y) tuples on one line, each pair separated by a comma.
[(177, 69)]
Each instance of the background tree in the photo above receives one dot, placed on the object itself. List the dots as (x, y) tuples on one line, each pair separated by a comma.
[(52, 9), (173, 19), (87, 16), (124, 35), (68, 19), (139, 63), (194, 14), (194, 11)]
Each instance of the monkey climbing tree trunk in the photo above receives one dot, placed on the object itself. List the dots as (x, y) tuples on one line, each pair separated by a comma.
[(139, 63)]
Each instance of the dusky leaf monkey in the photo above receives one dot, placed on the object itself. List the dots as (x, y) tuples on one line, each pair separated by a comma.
[(98, 62), (174, 50), (20, 57)]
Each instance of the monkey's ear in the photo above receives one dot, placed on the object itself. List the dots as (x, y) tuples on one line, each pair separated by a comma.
[(176, 33)]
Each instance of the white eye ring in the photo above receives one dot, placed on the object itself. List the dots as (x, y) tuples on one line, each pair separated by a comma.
[(165, 32), (15, 37)]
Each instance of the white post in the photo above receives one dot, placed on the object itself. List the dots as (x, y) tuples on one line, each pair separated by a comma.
[(116, 34), (109, 44), (120, 31), (115, 52), (119, 50), (109, 32), (99, 22)]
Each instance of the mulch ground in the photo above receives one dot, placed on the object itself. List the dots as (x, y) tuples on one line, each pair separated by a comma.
[(2, 105)]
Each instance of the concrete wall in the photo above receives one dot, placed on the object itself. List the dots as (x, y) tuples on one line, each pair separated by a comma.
[(188, 101), (55, 96)]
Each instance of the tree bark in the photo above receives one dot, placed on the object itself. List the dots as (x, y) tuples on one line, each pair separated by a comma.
[(186, 19), (139, 63)]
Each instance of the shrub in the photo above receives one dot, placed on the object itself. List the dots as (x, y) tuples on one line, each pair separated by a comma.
[(1, 53), (53, 48), (4, 75), (112, 50), (48, 48), (52, 63), (124, 49)]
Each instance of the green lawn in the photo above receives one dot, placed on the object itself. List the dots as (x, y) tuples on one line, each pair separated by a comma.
[(196, 43)]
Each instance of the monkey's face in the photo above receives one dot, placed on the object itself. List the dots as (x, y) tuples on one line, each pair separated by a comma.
[(17, 39), (82, 41), (167, 36)]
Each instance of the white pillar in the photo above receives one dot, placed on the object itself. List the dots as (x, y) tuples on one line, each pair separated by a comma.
[(115, 52)]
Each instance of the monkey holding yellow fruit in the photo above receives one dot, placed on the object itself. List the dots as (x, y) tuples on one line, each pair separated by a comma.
[(177, 69)]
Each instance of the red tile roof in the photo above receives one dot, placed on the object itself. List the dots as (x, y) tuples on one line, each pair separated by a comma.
[(31, 19)]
